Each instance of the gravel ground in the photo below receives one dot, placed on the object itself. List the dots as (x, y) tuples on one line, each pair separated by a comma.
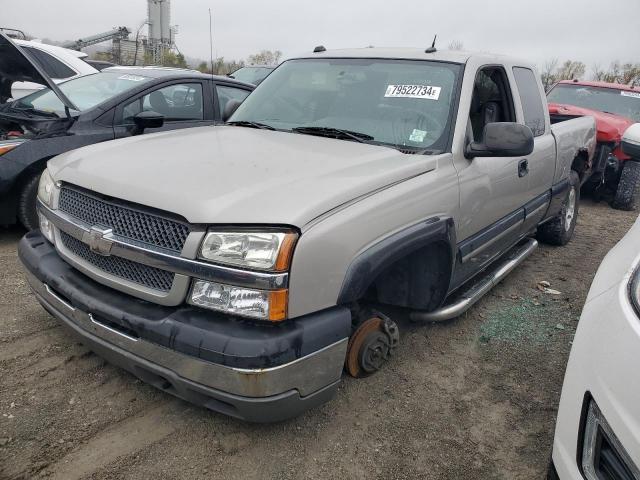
[(472, 398)]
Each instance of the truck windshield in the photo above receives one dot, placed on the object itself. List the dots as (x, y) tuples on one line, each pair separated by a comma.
[(603, 99), (85, 92), (405, 104)]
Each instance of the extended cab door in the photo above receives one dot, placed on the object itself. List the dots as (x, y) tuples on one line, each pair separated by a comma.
[(184, 104), (541, 163), (493, 190)]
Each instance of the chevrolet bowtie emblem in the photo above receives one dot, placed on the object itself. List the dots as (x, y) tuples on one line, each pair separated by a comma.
[(98, 241)]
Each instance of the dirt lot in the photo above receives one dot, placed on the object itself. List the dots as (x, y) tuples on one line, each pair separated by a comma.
[(474, 398)]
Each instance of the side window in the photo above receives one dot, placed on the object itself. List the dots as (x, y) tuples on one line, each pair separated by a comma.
[(226, 93), (180, 102), (51, 65), (491, 101), (531, 100)]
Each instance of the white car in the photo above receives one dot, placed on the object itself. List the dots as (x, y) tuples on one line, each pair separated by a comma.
[(59, 63), (598, 427)]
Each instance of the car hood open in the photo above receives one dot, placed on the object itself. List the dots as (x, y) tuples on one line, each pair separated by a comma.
[(17, 65), (238, 175)]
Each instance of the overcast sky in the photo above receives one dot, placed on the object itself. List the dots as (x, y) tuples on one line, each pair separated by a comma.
[(593, 31)]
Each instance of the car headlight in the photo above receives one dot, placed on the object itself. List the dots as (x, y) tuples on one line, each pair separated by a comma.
[(603, 455), (9, 145), (46, 188), (634, 290), (246, 302), (259, 250)]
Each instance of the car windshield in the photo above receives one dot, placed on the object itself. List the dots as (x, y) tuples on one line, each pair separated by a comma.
[(253, 75), (609, 100), (85, 92), (406, 104)]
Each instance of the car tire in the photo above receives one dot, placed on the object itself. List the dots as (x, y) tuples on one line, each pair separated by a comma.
[(27, 214), (628, 187), (559, 230)]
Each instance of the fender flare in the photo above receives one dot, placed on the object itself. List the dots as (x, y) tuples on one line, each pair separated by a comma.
[(370, 263)]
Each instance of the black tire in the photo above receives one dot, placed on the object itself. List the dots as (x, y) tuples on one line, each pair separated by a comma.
[(627, 192), (27, 203), (560, 230)]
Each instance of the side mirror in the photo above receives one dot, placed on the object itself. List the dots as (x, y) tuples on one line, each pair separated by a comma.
[(631, 141), (502, 139), (148, 119), (229, 109)]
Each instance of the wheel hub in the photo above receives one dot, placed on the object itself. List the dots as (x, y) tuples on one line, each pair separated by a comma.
[(570, 210), (371, 346)]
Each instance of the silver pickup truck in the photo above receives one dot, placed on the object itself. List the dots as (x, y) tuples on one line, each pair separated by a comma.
[(244, 267)]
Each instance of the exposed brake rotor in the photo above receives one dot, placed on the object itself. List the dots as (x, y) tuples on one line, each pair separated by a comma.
[(371, 345)]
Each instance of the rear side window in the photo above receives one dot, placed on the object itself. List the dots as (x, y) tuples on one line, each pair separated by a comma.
[(180, 102), (226, 93), (51, 65), (531, 100)]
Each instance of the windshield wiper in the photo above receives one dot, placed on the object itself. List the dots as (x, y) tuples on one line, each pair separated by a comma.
[(333, 133), (246, 123), (414, 150), (30, 111)]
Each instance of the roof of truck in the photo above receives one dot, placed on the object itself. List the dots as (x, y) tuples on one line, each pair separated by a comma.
[(453, 56), (615, 86)]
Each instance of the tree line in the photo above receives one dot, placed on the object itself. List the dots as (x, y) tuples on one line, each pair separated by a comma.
[(553, 71), (221, 66)]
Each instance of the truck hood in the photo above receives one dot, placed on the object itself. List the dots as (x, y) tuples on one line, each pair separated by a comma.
[(17, 65), (610, 127), (238, 175)]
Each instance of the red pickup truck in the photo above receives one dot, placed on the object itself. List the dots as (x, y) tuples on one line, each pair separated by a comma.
[(615, 107)]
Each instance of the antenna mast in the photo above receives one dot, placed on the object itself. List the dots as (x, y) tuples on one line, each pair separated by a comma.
[(211, 41), (432, 48)]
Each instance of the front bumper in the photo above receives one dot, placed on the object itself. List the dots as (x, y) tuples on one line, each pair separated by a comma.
[(252, 371), (602, 367)]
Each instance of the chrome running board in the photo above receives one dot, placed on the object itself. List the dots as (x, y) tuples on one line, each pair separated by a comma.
[(465, 300)]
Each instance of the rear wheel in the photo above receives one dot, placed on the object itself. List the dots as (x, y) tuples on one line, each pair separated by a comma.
[(27, 203), (627, 192), (560, 230)]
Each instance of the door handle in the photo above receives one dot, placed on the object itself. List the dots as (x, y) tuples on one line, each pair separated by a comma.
[(523, 167)]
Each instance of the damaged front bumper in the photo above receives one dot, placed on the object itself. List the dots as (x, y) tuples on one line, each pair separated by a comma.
[(256, 372)]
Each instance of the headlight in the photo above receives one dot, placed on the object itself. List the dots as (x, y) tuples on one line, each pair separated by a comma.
[(46, 188), (263, 305), (260, 250), (9, 145), (603, 455), (634, 290)]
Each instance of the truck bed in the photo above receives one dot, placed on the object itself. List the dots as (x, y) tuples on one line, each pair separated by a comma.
[(574, 137)]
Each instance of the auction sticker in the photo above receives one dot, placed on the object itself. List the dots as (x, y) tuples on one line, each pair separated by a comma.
[(133, 78), (417, 135), (413, 91), (630, 94)]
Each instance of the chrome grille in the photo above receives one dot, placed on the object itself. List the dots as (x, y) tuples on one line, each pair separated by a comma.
[(144, 275), (125, 221)]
